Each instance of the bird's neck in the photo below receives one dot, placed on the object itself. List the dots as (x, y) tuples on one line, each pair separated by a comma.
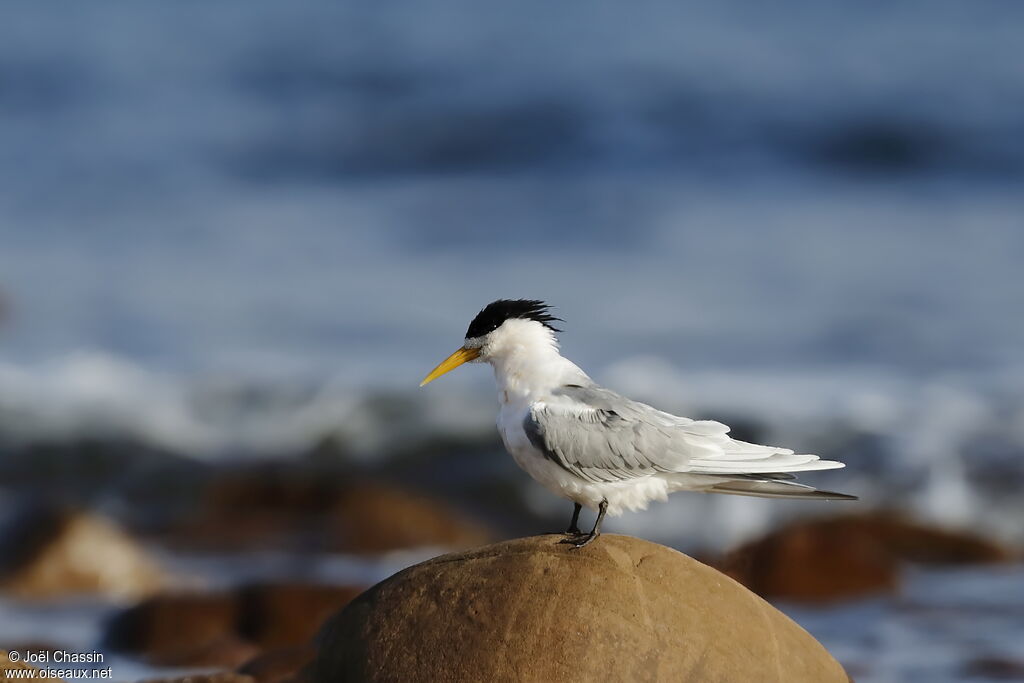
[(528, 365)]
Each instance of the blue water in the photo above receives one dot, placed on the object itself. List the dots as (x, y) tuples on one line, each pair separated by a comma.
[(200, 188), (222, 226)]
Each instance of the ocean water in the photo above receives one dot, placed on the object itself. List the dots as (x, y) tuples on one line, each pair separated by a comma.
[(233, 230), (226, 229)]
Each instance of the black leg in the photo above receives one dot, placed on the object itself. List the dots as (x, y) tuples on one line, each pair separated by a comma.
[(574, 528), (596, 531)]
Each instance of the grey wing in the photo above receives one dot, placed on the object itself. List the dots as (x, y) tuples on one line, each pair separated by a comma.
[(600, 436)]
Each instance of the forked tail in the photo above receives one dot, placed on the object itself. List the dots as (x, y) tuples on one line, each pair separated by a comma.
[(770, 486)]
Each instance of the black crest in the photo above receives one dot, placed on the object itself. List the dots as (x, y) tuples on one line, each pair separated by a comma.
[(497, 312)]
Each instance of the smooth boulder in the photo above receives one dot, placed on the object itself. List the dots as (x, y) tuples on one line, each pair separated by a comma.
[(534, 609)]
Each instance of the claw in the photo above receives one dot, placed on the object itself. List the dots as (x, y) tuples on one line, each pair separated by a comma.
[(579, 543), (586, 539)]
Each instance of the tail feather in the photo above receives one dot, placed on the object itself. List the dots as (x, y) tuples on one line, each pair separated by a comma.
[(731, 456), (777, 462), (771, 487)]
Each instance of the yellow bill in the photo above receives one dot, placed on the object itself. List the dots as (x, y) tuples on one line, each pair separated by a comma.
[(453, 361)]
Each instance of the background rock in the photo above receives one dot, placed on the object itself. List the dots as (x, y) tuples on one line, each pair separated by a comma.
[(923, 544), (283, 614), (184, 629), (7, 666), (814, 563), (284, 665), (994, 668), (848, 557), (225, 629), (281, 507), (535, 610), (52, 552), (374, 518)]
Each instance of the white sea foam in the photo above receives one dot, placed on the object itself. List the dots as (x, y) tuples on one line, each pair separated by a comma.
[(914, 445)]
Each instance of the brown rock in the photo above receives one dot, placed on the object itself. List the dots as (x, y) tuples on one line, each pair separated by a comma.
[(51, 552), (814, 562), (995, 668), (224, 629), (282, 614), (536, 610), (848, 557), (284, 665), (227, 651), (235, 532), (265, 506), (372, 518), (6, 666), (923, 544), (31, 646), (276, 487), (186, 629), (274, 506)]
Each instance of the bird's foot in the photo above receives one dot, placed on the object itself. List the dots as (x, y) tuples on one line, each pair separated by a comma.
[(579, 539), (573, 531)]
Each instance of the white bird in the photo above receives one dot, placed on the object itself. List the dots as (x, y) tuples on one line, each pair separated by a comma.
[(602, 450)]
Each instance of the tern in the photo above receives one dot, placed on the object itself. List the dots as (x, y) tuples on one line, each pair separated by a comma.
[(601, 450)]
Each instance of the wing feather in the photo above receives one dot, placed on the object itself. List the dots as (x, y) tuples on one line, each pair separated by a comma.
[(600, 436)]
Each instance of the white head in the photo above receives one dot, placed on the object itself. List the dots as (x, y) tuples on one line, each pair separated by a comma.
[(504, 328)]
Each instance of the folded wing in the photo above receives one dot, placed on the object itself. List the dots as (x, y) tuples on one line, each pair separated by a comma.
[(600, 436)]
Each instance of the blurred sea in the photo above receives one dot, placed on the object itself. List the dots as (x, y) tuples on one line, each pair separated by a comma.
[(239, 230)]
